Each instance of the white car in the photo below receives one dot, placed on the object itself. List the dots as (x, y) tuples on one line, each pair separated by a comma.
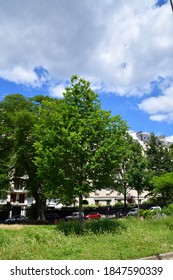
[(155, 208), (74, 216)]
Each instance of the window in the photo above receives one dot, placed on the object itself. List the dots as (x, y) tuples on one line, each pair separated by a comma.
[(21, 198), (13, 197), (18, 184)]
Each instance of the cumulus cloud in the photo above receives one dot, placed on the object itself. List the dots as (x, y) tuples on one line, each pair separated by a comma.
[(57, 91), (169, 139), (124, 45), (20, 75), (159, 108)]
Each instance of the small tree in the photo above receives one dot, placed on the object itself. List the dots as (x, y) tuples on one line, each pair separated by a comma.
[(121, 184), (138, 174), (163, 185), (159, 157)]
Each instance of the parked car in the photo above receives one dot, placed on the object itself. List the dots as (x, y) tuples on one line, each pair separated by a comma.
[(93, 215), (155, 208), (121, 214), (74, 216), (18, 219), (51, 217), (133, 212)]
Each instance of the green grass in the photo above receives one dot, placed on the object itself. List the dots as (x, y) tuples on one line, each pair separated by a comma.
[(138, 239)]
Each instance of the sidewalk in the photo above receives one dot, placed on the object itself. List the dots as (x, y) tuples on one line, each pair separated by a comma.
[(167, 256)]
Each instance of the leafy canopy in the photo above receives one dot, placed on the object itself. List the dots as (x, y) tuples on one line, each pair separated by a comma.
[(79, 145)]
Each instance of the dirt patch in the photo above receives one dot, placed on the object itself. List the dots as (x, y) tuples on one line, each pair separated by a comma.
[(11, 226)]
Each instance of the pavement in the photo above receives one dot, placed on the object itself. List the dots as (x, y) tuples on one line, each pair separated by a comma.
[(167, 256)]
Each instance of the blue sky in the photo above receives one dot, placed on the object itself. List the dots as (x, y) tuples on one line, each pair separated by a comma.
[(124, 48)]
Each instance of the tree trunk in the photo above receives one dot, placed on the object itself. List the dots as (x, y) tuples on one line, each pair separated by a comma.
[(40, 204), (80, 209), (125, 197), (138, 204)]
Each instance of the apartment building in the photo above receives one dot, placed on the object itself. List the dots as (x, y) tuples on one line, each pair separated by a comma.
[(18, 196), (106, 197)]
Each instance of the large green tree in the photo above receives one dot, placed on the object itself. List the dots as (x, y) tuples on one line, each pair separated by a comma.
[(80, 145), (9, 108), (18, 117)]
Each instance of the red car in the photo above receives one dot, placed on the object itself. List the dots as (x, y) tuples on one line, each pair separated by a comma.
[(93, 215)]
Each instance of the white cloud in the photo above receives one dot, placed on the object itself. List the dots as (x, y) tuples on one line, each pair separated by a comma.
[(20, 75), (68, 37), (162, 117), (124, 45), (159, 108), (169, 139), (57, 91)]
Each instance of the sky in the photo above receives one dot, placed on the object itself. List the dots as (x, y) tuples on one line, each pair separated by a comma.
[(124, 48)]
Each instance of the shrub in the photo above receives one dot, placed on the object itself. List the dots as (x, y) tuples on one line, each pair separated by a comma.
[(70, 227), (168, 210), (99, 226), (146, 214), (119, 204)]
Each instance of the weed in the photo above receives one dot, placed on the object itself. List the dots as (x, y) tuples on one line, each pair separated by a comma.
[(99, 226)]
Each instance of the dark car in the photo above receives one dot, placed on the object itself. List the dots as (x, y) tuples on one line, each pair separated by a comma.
[(93, 215), (18, 219), (121, 214), (52, 217), (133, 212)]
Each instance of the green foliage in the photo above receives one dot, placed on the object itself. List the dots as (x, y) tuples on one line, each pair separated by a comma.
[(70, 227), (158, 156), (168, 210), (138, 174), (147, 214), (17, 119), (79, 145), (102, 226), (10, 107), (99, 226), (91, 206), (119, 204), (32, 212), (163, 185), (159, 159), (131, 150)]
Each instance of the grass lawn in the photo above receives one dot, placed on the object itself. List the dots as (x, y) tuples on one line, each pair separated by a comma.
[(139, 239)]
